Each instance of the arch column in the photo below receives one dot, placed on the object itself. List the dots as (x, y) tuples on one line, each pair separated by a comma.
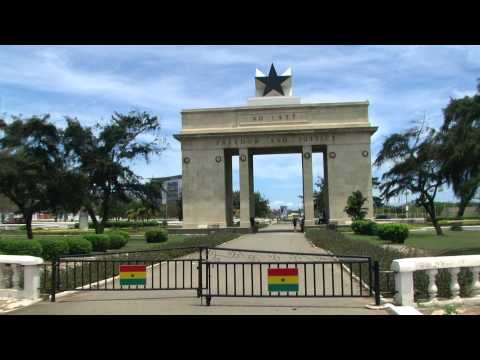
[(308, 207), (246, 187)]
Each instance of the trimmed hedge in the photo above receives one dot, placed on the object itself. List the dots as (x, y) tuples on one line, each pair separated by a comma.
[(124, 224), (156, 236), (52, 248), (79, 246), (364, 227), (100, 242), (339, 244), (20, 247), (117, 240), (397, 233)]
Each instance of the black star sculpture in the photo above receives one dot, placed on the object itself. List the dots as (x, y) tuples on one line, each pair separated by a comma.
[(272, 81)]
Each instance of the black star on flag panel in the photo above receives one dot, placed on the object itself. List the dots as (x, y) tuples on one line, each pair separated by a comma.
[(273, 81)]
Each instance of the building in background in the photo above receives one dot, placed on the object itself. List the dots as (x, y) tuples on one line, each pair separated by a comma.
[(171, 196)]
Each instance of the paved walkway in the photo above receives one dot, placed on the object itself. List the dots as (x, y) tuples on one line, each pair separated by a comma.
[(175, 302)]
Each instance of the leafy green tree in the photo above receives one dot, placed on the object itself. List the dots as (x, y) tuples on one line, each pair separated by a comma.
[(31, 170), (102, 155), (460, 137), (416, 167), (320, 196), (262, 205), (355, 208)]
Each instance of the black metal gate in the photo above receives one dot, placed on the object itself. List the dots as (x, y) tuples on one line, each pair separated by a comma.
[(101, 272), (220, 272)]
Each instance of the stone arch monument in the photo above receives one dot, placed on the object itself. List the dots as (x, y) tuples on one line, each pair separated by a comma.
[(273, 122)]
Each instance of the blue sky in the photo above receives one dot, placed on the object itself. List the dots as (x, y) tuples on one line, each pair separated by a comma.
[(402, 83)]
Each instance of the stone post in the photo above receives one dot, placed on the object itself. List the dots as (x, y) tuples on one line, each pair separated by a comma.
[(83, 220), (245, 187), (404, 295), (475, 281), (31, 281), (307, 185)]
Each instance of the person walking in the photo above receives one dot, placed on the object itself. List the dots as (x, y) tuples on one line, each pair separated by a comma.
[(295, 224)]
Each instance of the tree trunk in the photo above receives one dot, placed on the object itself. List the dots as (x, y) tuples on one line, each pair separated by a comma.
[(27, 216), (433, 216), (93, 216), (461, 209)]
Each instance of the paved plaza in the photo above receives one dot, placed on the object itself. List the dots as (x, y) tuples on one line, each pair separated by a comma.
[(185, 302)]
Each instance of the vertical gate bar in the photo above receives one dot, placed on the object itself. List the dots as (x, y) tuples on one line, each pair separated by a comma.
[(58, 280), (168, 274), (98, 274), (296, 267), (160, 273), (183, 274), (351, 279), (314, 279), (105, 278), (191, 274), (218, 280), (66, 274), (67, 268), (136, 263), (200, 285), (243, 279), (376, 269), (114, 264), (90, 275), (323, 278), (226, 279), (176, 265), (269, 293), (341, 275), (74, 274), (305, 277), (83, 280), (287, 266), (260, 274), (251, 277), (234, 279), (208, 279), (152, 271), (360, 266), (278, 294), (333, 281), (54, 284), (370, 275)]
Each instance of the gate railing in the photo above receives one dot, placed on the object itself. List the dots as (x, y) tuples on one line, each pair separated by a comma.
[(218, 272)]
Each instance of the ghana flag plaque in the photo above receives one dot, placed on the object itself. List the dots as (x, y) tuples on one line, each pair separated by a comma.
[(133, 274), (282, 279)]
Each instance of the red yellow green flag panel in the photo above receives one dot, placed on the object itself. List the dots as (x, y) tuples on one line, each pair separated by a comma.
[(133, 274), (283, 279)]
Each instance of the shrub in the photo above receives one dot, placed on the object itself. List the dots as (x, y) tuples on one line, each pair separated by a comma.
[(339, 244), (52, 248), (21, 247), (155, 236), (364, 227), (117, 240), (456, 227), (125, 234), (79, 246), (100, 242), (394, 232)]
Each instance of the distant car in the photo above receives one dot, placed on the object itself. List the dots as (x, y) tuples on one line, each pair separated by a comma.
[(13, 220), (380, 217)]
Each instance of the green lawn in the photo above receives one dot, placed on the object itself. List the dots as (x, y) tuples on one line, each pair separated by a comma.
[(452, 243)]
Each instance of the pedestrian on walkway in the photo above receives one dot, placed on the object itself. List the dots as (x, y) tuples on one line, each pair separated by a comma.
[(302, 224), (295, 224)]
